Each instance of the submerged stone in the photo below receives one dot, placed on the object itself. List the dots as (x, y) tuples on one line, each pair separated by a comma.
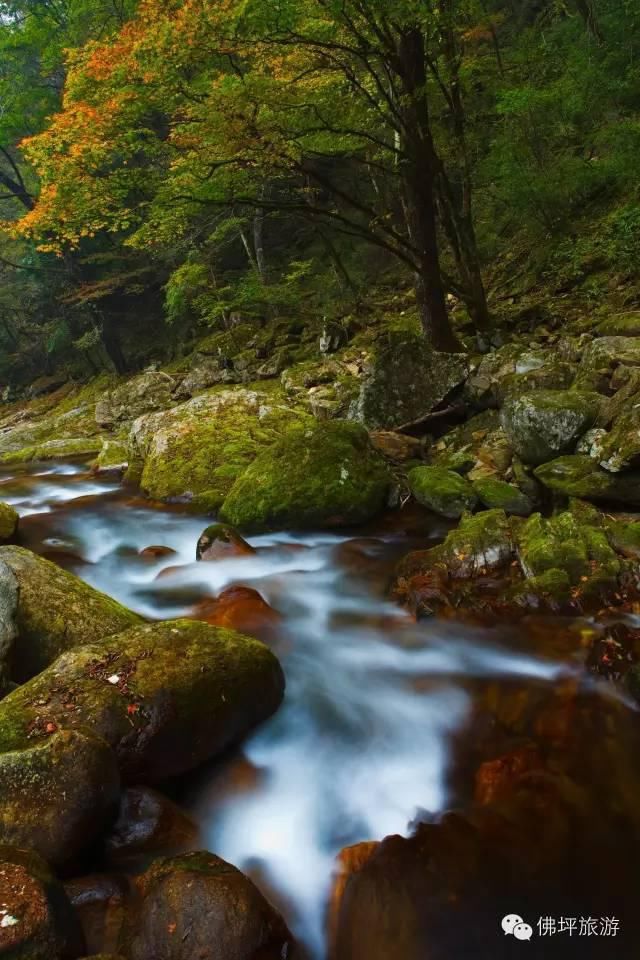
[(443, 491), (322, 474)]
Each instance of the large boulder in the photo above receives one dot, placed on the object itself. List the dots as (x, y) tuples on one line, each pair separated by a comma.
[(220, 542), (498, 495), (36, 918), (165, 697), (544, 424), (602, 357), (59, 788), (200, 906), (320, 474), (56, 611), (404, 380), (150, 391), (443, 491), (195, 452)]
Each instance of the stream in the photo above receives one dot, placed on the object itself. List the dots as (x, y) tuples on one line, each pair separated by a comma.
[(364, 739)]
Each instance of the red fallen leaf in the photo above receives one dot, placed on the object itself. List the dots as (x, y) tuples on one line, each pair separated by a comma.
[(51, 728), (171, 927), (133, 708)]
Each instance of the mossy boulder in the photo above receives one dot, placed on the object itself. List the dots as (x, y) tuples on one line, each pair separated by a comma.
[(56, 611), (319, 474), (621, 325), (579, 476), (624, 537), (8, 618), (37, 921), (480, 543), (58, 792), (620, 448), (69, 448), (197, 905), (544, 424), (602, 357), (150, 391), (9, 519), (195, 452), (165, 696), (443, 491), (580, 551), (404, 380), (113, 457), (497, 494)]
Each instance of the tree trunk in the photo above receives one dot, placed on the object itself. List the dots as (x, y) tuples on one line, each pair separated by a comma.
[(418, 171), (111, 343)]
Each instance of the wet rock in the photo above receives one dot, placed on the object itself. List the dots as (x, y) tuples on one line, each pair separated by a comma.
[(199, 906), (349, 861), (496, 778), (8, 614), (56, 611), (148, 825), (405, 380), (100, 904), (545, 424), (165, 697), (195, 452), (496, 494), (36, 918), (442, 893), (113, 458), (157, 552), (333, 478), (220, 542), (579, 476), (443, 491), (9, 520), (240, 608), (59, 787), (150, 391)]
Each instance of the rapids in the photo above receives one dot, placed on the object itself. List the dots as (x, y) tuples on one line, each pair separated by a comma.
[(364, 739)]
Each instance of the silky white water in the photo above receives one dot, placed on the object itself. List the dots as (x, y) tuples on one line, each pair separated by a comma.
[(362, 742)]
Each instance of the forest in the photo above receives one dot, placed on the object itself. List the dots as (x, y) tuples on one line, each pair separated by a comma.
[(319, 479), (167, 165)]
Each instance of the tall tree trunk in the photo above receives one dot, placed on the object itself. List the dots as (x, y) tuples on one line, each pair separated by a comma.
[(457, 203), (418, 171), (112, 346)]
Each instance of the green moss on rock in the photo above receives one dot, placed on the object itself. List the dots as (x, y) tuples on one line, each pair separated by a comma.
[(195, 452), (9, 519), (56, 611), (114, 456), (165, 696), (497, 494), (579, 476), (546, 423), (54, 449), (319, 474), (443, 491), (58, 793)]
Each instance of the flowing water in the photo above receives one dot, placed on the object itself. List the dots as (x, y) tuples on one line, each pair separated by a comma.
[(363, 740)]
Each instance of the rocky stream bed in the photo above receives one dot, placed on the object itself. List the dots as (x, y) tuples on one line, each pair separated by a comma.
[(343, 662)]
